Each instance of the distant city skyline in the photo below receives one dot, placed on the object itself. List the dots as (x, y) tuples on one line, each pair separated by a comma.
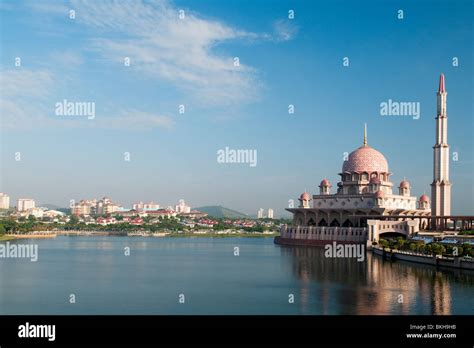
[(169, 93)]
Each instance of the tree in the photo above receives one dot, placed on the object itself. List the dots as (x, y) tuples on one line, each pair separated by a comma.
[(73, 220), (383, 243), (422, 248), (437, 249)]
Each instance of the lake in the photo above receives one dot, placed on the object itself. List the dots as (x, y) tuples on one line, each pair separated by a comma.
[(205, 276)]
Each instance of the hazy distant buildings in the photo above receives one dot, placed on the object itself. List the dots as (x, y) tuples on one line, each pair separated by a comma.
[(182, 207), (4, 201), (84, 207), (93, 207), (145, 206), (25, 204), (261, 213), (270, 213)]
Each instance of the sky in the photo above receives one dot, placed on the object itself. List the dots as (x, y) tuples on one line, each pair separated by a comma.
[(140, 146)]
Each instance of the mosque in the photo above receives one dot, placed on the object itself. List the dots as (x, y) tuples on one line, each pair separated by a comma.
[(365, 192)]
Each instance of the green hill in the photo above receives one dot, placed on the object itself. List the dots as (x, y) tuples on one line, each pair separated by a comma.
[(219, 212)]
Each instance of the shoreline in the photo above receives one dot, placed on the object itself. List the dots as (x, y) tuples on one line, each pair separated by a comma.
[(146, 235), (6, 237), (433, 260)]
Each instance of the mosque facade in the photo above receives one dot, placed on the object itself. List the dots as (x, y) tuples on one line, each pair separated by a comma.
[(347, 212)]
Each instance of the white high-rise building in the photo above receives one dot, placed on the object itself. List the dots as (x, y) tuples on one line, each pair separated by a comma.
[(146, 206), (4, 201), (138, 206), (260, 214), (151, 206), (25, 204), (182, 207), (441, 187), (270, 213)]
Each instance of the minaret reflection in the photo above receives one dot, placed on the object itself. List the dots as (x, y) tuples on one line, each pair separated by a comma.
[(375, 286)]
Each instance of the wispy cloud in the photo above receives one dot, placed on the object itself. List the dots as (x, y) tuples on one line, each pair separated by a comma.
[(27, 101), (67, 58), (162, 45), (284, 30)]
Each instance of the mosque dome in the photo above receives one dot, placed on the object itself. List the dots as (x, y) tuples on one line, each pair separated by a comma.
[(324, 183), (424, 198), (365, 159), (405, 184), (305, 196)]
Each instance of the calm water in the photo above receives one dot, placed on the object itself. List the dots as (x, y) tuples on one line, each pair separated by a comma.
[(214, 281)]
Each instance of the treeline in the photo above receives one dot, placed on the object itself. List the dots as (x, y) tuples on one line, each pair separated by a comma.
[(25, 225), (419, 246)]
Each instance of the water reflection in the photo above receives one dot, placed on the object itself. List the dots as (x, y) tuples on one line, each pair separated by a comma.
[(375, 286)]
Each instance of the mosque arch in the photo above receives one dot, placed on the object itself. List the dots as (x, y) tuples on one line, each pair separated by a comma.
[(322, 222), (335, 223), (311, 222), (299, 221), (347, 223)]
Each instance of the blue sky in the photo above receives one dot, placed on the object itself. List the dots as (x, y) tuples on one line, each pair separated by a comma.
[(190, 62)]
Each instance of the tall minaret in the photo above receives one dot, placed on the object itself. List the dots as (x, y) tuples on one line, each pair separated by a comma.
[(441, 187)]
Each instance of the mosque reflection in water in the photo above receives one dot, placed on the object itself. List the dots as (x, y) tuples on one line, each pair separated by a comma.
[(374, 286)]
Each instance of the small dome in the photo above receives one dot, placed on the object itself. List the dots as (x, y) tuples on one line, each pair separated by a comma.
[(424, 198), (405, 184), (379, 194), (374, 180), (325, 183), (305, 196)]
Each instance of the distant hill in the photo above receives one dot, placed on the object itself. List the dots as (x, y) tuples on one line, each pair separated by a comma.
[(218, 211)]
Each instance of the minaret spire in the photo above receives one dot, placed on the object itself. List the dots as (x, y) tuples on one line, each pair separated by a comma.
[(441, 186), (365, 134), (441, 88)]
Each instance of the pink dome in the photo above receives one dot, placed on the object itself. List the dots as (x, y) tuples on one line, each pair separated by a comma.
[(365, 159), (424, 198), (405, 184), (305, 196), (374, 180), (379, 194), (325, 182)]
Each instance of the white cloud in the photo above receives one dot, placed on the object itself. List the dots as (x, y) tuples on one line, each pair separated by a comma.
[(163, 46), (19, 82), (67, 58), (132, 120), (27, 101), (284, 30)]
